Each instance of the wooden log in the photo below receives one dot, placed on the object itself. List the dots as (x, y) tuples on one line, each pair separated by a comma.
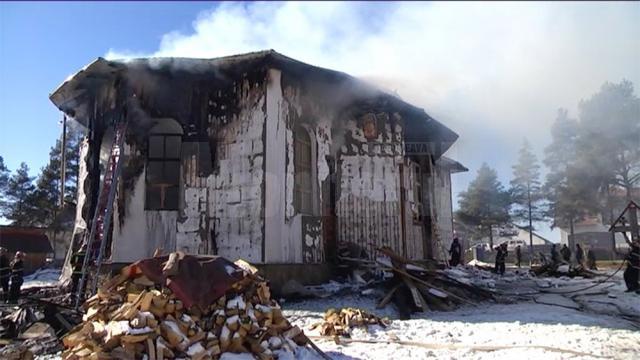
[(385, 300), (171, 266)]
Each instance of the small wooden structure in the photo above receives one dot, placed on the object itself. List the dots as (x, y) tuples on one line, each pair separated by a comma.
[(32, 241)]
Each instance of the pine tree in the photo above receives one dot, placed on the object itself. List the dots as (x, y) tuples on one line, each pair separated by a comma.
[(526, 192), (567, 187), (485, 203), (609, 140), (4, 182), (44, 200), (19, 189)]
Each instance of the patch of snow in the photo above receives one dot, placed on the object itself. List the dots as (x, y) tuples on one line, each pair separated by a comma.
[(437, 293), (195, 349), (236, 303), (230, 269), (475, 262), (42, 278), (141, 331), (521, 326), (234, 356)]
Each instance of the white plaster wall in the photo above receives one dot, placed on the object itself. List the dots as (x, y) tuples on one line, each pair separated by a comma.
[(142, 231), (414, 229), (234, 192), (442, 207), (80, 224), (368, 206), (283, 229)]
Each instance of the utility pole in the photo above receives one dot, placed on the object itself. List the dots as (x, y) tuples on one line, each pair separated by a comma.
[(63, 160)]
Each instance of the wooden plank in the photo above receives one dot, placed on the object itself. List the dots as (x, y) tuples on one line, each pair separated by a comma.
[(385, 300), (418, 300)]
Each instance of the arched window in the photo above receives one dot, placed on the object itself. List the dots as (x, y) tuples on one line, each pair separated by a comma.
[(303, 168), (163, 166)]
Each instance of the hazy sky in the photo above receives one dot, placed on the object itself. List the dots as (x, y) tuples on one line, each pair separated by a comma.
[(493, 72)]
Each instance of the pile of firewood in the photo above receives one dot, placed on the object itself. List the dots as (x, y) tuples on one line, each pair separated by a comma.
[(133, 316), (340, 322)]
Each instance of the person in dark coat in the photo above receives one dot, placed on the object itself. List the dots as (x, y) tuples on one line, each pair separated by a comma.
[(455, 251), (579, 255), (518, 256), (632, 272), (555, 257), (5, 273), (17, 276), (591, 260), (501, 258), (566, 253)]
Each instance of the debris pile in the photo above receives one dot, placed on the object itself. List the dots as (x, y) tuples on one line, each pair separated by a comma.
[(34, 327), (181, 306), (340, 322), (414, 288), (562, 269)]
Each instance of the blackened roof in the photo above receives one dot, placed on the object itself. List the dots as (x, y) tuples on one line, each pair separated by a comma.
[(75, 96), (28, 240)]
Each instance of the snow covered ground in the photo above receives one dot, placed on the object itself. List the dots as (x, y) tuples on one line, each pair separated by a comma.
[(572, 325), (42, 277), (540, 319)]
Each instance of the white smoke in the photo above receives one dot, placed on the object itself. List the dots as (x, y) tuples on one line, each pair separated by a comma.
[(493, 72)]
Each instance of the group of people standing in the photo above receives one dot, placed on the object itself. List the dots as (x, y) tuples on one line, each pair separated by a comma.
[(564, 256), (11, 275)]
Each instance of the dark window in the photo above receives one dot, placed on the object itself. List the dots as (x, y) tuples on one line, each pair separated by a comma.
[(303, 186), (163, 172)]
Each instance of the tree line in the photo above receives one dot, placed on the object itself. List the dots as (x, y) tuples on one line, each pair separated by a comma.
[(592, 163), (34, 201)]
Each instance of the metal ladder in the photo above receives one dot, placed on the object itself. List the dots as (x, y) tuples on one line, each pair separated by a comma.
[(96, 240)]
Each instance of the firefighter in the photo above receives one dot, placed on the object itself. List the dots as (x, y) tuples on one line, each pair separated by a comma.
[(566, 253), (501, 258), (579, 255), (633, 268), (555, 257), (455, 251), (5, 273), (17, 276), (591, 260)]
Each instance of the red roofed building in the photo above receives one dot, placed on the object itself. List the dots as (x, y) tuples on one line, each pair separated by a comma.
[(32, 241)]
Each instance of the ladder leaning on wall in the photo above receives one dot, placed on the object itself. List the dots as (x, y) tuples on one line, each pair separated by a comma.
[(94, 242)]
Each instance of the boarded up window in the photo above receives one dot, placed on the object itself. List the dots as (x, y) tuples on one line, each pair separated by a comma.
[(303, 166), (163, 172)]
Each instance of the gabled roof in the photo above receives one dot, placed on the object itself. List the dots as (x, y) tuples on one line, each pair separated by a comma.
[(450, 164), (28, 240), (74, 96), (524, 228)]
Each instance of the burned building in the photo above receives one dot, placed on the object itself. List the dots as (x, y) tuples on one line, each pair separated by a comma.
[(258, 156)]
